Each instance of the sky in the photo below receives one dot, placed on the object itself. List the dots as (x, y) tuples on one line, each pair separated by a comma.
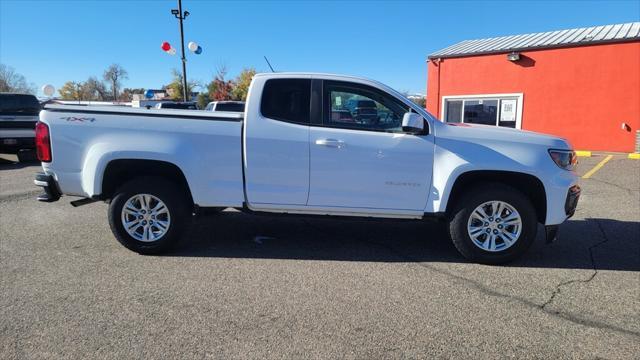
[(51, 42)]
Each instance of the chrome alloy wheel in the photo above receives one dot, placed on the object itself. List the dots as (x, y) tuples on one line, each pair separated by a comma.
[(145, 217), (494, 226)]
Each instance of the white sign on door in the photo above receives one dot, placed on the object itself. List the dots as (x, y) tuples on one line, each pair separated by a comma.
[(508, 110)]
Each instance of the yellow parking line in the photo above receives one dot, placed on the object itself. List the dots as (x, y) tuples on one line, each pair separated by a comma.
[(597, 167)]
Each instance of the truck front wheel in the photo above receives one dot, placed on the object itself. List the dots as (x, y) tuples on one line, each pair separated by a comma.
[(148, 215), (493, 224)]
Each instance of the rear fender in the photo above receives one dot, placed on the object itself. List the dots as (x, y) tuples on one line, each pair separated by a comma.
[(167, 149)]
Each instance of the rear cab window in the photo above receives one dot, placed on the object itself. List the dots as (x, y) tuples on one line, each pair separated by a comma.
[(287, 100), (233, 107), (185, 106)]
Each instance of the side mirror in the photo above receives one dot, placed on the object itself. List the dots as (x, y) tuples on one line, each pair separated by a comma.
[(412, 123)]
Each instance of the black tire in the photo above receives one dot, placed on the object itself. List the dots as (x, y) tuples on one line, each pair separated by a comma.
[(172, 195), (473, 198)]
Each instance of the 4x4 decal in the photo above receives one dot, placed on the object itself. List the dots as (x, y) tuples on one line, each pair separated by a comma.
[(80, 119)]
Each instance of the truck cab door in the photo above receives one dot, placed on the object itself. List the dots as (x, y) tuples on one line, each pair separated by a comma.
[(364, 159), (276, 142)]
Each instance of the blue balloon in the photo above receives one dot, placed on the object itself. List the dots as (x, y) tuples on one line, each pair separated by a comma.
[(198, 50), (148, 94)]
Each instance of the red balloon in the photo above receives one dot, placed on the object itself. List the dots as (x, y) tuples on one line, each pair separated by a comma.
[(166, 46)]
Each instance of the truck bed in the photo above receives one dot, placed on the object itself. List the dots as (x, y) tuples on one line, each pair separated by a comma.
[(85, 139)]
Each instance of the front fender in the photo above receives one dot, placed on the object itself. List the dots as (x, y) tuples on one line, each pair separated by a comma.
[(455, 157)]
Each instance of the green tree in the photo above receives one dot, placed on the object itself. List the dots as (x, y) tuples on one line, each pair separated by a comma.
[(203, 100), (422, 101), (242, 82), (11, 81), (114, 76), (71, 90), (175, 87)]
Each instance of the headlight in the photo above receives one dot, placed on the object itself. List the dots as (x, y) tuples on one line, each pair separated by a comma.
[(565, 159)]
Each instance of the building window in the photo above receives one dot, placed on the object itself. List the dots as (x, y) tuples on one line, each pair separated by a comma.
[(498, 109)]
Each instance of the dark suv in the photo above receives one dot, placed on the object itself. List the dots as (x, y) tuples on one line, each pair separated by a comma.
[(363, 111), (18, 117)]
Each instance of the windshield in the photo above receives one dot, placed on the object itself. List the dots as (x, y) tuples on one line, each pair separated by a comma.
[(18, 104)]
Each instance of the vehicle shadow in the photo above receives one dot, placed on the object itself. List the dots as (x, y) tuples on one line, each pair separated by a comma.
[(609, 244), (7, 164)]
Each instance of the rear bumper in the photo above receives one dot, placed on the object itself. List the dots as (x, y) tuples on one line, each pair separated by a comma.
[(50, 187), (13, 145)]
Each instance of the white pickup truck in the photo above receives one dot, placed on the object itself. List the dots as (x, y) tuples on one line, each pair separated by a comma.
[(300, 149)]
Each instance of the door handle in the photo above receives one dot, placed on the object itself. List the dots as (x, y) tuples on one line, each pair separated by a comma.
[(331, 143)]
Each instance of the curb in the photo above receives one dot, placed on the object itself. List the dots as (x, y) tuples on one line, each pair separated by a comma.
[(635, 156), (582, 153)]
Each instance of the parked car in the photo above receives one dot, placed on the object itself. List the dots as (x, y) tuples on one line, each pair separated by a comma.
[(491, 185), (177, 105), (232, 106), (18, 117)]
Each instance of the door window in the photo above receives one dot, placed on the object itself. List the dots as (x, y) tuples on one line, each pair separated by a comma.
[(287, 100), (360, 107), (500, 111)]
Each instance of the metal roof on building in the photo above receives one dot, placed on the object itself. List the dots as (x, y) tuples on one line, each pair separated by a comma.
[(561, 38)]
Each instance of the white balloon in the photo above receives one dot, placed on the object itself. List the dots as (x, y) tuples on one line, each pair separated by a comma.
[(172, 51), (192, 46), (48, 89)]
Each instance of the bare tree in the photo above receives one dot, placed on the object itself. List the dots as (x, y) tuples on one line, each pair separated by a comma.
[(11, 81), (114, 74)]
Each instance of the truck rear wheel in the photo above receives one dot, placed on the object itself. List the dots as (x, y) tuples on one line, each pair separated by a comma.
[(493, 224), (148, 215)]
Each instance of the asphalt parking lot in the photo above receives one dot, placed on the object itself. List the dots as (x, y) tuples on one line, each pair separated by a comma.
[(247, 286)]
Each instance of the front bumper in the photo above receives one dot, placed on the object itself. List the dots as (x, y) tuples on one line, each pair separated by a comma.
[(50, 187), (570, 204)]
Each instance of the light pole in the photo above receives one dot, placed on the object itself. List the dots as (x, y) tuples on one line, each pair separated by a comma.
[(181, 16)]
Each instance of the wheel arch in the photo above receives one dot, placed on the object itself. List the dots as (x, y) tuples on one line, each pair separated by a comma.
[(119, 171), (531, 186)]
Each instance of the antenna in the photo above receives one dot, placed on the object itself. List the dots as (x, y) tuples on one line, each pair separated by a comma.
[(268, 63)]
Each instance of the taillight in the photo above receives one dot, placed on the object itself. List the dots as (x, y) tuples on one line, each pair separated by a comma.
[(43, 144)]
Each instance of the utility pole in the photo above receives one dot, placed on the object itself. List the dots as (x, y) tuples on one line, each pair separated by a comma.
[(181, 16)]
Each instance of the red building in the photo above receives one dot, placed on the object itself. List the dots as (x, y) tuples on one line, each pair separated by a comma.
[(581, 84)]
